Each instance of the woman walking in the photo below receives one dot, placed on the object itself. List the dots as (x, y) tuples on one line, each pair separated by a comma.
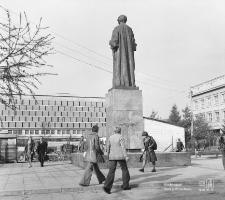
[(149, 153), (29, 150)]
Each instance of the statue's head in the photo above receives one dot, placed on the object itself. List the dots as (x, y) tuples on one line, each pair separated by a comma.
[(122, 18)]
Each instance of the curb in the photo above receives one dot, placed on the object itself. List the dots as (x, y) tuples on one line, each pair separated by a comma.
[(157, 185)]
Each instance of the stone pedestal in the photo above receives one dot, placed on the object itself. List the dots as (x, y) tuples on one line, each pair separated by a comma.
[(124, 109)]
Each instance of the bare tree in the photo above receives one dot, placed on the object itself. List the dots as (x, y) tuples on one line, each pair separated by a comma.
[(22, 53)]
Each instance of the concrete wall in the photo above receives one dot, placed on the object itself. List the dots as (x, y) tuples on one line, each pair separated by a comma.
[(166, 159), (164, 133)]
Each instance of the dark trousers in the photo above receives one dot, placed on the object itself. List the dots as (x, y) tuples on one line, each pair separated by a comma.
[(223, 157), (86, 178), (32, 157), (111, 175), (41, 158)]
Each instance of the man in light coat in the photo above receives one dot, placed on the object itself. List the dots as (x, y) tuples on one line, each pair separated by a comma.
[(93, 153), (116, 151)]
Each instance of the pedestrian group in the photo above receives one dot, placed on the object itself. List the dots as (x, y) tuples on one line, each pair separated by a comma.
[(116, 153)]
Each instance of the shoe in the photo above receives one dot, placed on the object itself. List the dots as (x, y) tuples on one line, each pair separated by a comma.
[(29, 166), (127, 188), (153, 170), (141, 170), (83, 185), (102, 182), (106, 190)]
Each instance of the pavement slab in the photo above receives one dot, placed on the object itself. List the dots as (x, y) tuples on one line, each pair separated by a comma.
[(63, 177)]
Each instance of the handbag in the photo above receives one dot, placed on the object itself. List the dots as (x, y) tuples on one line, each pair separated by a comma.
[(46, 157), (84, 154)]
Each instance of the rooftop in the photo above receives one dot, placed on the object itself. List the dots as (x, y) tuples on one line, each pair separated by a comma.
[(209, 85)]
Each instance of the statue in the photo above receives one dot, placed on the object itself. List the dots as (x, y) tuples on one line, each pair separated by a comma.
[(123, 46)]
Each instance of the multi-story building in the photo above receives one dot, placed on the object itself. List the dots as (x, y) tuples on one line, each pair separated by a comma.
[(55, 117), (209, 101)]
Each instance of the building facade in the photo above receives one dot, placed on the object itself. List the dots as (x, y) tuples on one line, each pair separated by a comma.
[(208, 100), (55, 117), (166, 135)]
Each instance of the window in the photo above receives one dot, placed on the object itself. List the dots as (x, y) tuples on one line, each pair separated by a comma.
[(223, 98), (36, 132), (43, 132), (15, 132), (19, 132), (196, 104), (47, 132), (202, 103), (59, 132), (32, 132), (68, 132), (52, 132), (9, 131), (217, 116), (209, 101), (63, 132), (216, 99), (210, 117), (26, 132), (74, 132)]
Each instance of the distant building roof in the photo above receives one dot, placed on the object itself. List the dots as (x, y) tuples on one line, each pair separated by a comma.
[(163, 121), (208, 85)]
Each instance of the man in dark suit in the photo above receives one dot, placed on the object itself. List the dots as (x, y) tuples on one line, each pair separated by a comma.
[(42, 151), (180, 146)]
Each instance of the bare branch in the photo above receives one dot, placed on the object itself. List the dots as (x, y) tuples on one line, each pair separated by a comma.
[(22, 49)]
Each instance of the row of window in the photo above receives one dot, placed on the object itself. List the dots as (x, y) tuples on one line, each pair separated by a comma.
[(51, 113), (209, 101), (51, 119), (214, 116), (51, 125), (58, 103), (54, 108), (46, 132)]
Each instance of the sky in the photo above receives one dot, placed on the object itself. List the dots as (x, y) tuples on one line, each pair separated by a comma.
[(180, 43)]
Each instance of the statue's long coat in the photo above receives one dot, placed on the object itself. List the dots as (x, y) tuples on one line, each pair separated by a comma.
[(123, 45)]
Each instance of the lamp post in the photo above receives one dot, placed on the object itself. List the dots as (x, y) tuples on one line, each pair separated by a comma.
[(192, 121)]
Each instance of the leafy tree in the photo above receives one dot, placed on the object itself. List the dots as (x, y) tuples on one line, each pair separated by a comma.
[(22, 53), (154, 115), (174, 117), (201, 128), (186, 123)]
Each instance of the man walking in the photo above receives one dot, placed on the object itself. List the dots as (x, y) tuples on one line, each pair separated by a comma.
[(149, 153), (93, 152), (180, 146), (116, 151), (42, 151)]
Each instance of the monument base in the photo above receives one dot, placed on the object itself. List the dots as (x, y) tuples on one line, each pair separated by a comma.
[(124, 110), (165, 159)]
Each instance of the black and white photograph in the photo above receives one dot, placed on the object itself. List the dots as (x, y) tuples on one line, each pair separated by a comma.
[(112, 99)]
